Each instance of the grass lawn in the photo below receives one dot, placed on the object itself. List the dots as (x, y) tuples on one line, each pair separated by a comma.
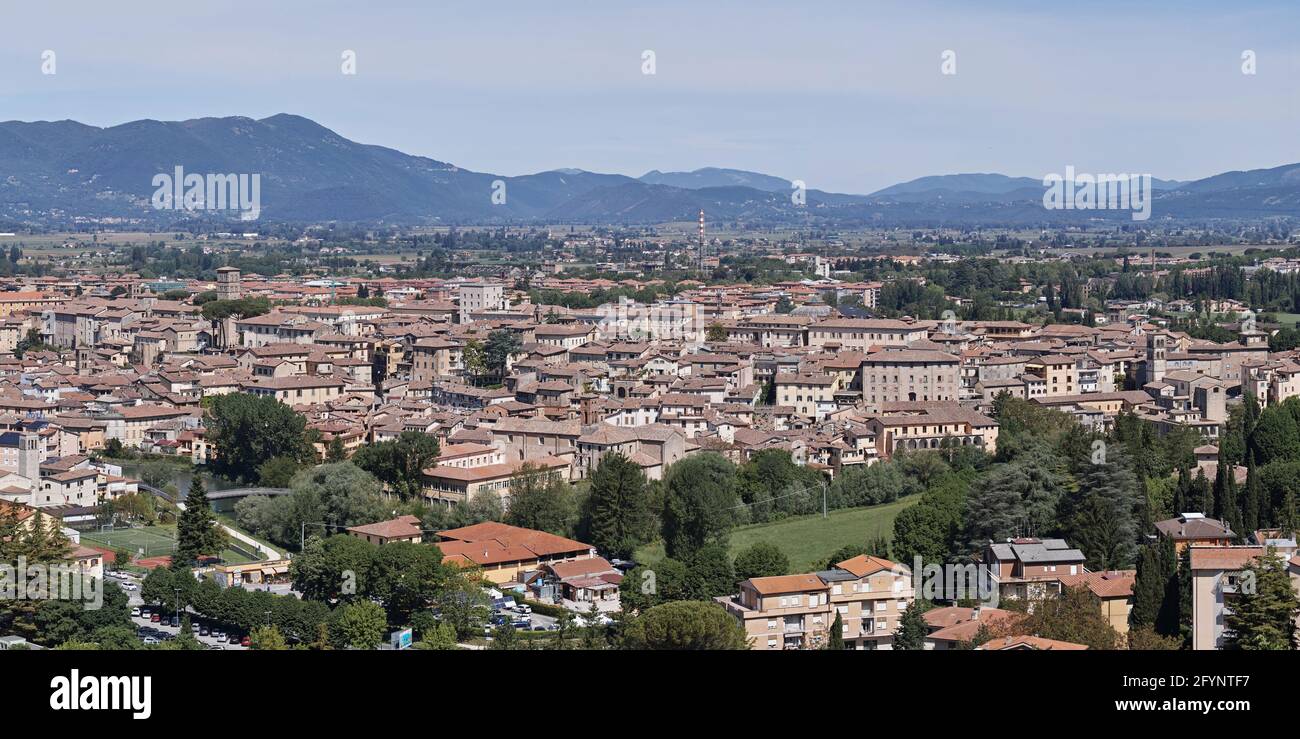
[(156, 541), (1288, 319), (809, 540)]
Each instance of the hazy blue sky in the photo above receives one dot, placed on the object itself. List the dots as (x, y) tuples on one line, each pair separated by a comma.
[(846, 96)]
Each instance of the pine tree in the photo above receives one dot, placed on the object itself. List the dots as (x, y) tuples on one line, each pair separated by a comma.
[(1148, 588), (1185, 595), (836, 641), (1264, 612), (1103, 524), (912, 628), (1200, 496), (197, 532), (1252, 507), (1286, 515)]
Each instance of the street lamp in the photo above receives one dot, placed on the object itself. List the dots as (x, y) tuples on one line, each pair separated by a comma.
[(178, 606)]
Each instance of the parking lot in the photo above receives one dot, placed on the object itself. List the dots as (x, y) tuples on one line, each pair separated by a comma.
[(147, 629)]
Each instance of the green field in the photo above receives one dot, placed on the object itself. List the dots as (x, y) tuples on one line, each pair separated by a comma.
[(1287, 319), (809, 540), (155, 541)]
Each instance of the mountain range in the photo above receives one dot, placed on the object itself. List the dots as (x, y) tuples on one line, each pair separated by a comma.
[(54, 173)]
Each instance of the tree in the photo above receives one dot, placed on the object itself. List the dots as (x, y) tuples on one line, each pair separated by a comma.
[(912, 628), (699, 503), (361, 625), (197, 531), (541, 500), (1074, 617), (1263, 614), (683, 625), (473, 357), (407, 577), (333, 568), (1017, 498), (1147, 639), (500, 346), (1155, 589), (617, 511), (1275, 435), (400, 463), (710, 572), (1103, 524), (247, 431), (761, 559), (336, 495), (716, 333), (835, 642), (267, 638), (335, 452)]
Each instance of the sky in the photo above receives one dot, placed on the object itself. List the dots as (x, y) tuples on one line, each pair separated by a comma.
[(847, 96)]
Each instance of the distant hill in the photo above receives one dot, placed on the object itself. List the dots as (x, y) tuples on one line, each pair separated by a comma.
[(58, 173), (715, 177)]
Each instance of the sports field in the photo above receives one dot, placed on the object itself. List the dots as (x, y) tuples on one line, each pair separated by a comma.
[(148, 541)]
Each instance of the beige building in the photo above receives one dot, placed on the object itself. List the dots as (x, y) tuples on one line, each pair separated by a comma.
[(868, 594), (810, 395), (913, 375), (296, 390)]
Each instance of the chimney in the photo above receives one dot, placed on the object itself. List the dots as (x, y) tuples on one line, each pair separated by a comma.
[(975, 612)]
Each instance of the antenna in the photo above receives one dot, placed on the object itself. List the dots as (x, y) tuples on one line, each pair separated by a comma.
[(701, 239)]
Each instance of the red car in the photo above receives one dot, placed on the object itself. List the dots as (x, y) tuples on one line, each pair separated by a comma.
[(245, 642), (155, 618)]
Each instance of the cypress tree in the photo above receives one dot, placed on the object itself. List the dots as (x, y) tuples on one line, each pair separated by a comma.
[(197, 532)]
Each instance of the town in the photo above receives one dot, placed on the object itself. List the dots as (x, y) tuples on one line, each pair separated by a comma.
[(604, 438)]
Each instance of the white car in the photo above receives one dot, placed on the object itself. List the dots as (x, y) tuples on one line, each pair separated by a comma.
[(130, 586)]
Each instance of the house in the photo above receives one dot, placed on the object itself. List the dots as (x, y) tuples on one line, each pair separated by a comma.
[(1114, 588), (503, 553), (1031, 569), (1195, 529), (402, 528)]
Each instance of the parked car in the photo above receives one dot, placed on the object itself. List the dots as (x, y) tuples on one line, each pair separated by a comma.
[(135, 611), (156, 618), (175, 622), (234, 639), (130, 586), (150, 640), (525, 609), (203, 631), (246, 642), (522, 623), (145, 612), (194, 628)]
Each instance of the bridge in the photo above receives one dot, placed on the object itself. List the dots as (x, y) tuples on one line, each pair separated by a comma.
[(217, 494)]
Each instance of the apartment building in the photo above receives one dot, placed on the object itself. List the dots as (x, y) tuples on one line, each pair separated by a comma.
[(869, 594), (296, 390), (932, 426), (1031, 569), (652, 447), (476, 297), (1216, 577), (910, 375), (863, 334), (810, 395)]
